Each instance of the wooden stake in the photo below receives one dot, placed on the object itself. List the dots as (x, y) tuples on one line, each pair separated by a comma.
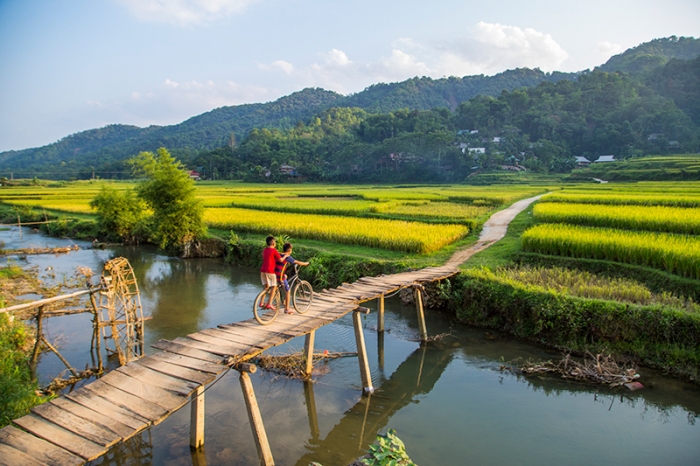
[(365, 374), (380, 314), (256, 423), (309, 352), (421, 316), (197, 419), (37, 342)]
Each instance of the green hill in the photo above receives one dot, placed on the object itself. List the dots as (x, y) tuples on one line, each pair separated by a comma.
[(650, 55)]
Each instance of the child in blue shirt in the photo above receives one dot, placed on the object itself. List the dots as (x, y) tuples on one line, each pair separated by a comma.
[(279, 266)]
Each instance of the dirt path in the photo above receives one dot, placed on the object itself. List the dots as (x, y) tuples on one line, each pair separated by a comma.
[(494, 229)]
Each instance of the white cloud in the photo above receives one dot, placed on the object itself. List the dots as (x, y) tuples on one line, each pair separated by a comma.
[(184, 12), (287, 67), (337, 57), (493, 48), (606, 49), (489, 49)]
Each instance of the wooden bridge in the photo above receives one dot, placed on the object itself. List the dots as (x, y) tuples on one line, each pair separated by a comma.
[(86, 423)]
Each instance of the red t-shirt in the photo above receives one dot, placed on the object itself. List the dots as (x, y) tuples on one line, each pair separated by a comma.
[(270, 256)]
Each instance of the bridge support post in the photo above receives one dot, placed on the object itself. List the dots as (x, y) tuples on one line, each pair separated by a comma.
[(309, 352), (197, 419), (365, 374), (256, 423), (380, 314), (419, 311)]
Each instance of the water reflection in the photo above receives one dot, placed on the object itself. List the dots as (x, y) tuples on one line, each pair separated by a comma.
[(359, 425)]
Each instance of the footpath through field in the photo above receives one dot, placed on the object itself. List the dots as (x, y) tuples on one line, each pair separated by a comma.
[(83, 425)]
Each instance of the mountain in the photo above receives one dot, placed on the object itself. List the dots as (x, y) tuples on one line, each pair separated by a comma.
[(106, 148), (650, 55), (426, 93), (679, 80)]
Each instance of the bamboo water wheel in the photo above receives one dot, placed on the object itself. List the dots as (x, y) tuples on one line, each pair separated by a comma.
[(120, 313)]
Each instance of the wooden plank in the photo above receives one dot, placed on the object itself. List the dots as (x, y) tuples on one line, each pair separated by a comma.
[(238, 338), (211, 348), (262, 339), (188, 351), (41, 450), (232, 347), (267, 331), (247, 342), (12, 457), (159, 380), (164, 398), (122, 430), (174, 370), (151, 411), (129, 418), (58, 436), (69, 421), (190, 363)]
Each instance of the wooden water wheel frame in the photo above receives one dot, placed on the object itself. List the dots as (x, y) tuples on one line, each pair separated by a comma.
[(120, 313)]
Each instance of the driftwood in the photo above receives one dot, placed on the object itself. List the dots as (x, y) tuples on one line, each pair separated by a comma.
[(599, 369), (32, 251), (292, 365), (59, 383)]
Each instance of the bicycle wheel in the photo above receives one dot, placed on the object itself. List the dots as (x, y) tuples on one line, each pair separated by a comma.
[(264, 315), (302, 296)]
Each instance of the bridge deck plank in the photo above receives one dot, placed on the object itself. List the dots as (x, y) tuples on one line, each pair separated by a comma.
[(79, 426), (88, 414), (61, 437), (174, 370), (107, 408), (40, 450)]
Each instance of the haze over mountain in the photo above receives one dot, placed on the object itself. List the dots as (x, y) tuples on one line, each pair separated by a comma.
[(104, 148)]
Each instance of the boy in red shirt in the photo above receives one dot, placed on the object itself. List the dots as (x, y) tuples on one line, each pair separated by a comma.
[(267, 271)]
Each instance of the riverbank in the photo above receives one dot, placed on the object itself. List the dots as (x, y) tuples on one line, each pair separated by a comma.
[(18, 389)]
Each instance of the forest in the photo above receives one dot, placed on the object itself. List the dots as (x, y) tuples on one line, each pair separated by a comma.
[(540, 129)]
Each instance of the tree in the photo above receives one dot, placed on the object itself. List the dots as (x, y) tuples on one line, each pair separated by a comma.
[(170, 193), (120, 214)]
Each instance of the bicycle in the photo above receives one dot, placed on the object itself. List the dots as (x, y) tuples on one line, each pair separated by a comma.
[(301, 295)]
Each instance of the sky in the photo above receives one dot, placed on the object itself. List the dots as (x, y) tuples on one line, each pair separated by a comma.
[(72, 65)]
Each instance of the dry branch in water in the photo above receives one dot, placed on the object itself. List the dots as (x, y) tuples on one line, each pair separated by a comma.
[(292, 365), (599, 368)]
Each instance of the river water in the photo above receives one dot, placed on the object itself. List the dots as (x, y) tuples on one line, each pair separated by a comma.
[(448, 401)]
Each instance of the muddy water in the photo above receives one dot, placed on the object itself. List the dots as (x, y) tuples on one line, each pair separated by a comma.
[(449, 401)]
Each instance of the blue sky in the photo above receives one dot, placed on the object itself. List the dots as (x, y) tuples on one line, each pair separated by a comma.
[(73, 65)]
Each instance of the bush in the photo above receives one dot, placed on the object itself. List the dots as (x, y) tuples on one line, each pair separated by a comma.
[(17, 388), (656, 336)]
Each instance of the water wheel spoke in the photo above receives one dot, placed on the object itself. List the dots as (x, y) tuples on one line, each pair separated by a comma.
[(122, 314)]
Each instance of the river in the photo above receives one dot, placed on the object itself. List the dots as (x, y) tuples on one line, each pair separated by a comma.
[(448, 401)]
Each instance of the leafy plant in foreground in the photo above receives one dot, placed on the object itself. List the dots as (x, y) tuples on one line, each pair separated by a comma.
[(390, 451)]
